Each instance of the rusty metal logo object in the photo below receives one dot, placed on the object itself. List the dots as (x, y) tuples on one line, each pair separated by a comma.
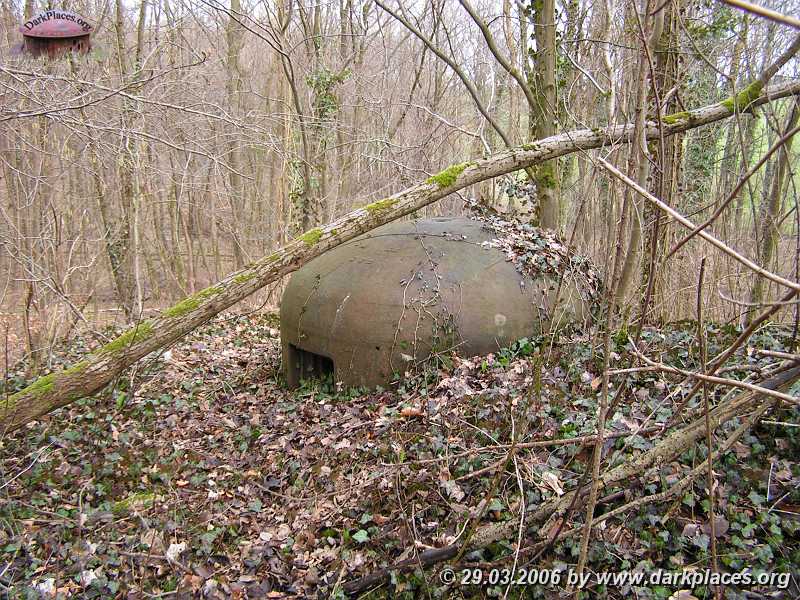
[(56, 24)]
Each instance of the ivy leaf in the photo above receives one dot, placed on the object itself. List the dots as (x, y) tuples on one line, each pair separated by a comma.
[(701, 541)]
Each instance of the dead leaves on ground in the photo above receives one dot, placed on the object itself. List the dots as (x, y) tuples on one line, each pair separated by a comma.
[(211, 480)]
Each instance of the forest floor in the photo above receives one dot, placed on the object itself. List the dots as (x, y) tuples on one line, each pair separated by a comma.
[(212, 479)]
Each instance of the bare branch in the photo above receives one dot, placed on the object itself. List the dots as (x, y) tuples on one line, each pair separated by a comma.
[(766, 13), (689, 225)]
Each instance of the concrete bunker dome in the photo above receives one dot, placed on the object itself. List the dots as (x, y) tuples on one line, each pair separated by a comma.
[(386, 301)]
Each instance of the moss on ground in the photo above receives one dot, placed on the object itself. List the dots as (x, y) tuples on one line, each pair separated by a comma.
[(141, 500)]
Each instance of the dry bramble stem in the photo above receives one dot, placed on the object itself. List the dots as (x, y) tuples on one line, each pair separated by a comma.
[(717, 380)]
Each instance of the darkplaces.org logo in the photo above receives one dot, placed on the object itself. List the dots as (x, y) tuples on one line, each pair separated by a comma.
[(59, 16)]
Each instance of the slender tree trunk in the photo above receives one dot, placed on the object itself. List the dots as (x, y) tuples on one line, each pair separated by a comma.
[(728, 171), (747, 146), (667, 157), (234, 35), (639, 158), (123, 251), (770, 211), (544, 113)]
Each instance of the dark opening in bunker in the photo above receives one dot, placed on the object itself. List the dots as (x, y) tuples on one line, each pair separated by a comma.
[(307, 365)]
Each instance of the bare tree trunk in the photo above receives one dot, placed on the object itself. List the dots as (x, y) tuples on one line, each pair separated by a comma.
[(747, 146), (122, 248), (639, 159), (300, 177), (728, 170), (234, 35), (98, 369), (667, 153), (544, 113)]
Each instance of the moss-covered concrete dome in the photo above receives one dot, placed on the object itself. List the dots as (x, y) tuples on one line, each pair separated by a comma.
[(384, 302)]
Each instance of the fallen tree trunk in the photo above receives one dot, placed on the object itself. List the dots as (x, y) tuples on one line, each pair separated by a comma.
[(101, 367)]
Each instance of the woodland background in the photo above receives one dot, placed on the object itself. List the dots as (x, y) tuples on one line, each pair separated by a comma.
[(197, 137)]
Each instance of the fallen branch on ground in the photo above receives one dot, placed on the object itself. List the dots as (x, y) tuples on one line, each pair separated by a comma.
[(663, 452), (716, 380)]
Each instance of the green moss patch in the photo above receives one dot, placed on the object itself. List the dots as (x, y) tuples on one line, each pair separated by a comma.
[(311, 236), (243, 277), (269, 259), (41, 386), (546, 176), (448, 177), (135, 501), (745, 98), (189, 304), (76, 368), (380, 205), (140, 332), (677, 117), (44, 384)]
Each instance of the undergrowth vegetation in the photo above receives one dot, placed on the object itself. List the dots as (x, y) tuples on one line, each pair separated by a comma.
[(200, 474)]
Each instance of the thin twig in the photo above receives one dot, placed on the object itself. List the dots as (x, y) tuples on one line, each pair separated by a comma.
[(701, 340), (775, 147)]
